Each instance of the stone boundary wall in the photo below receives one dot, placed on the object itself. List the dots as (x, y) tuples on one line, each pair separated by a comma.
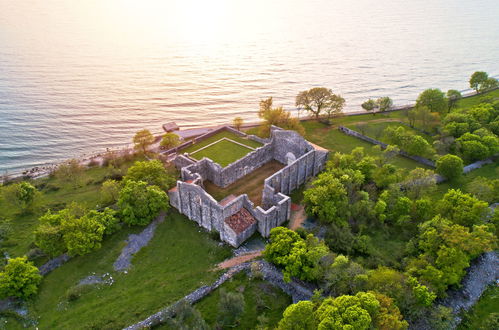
[(356, 134)]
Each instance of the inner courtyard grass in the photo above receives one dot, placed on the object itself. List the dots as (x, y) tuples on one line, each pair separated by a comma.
[(223, 152), (251, 184), (179, 259), (218, 136)]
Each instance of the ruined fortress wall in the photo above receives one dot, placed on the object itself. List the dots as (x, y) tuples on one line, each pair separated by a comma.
[(294, 175)]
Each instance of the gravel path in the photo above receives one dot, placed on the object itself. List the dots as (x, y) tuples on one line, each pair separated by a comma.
[(135, 242)]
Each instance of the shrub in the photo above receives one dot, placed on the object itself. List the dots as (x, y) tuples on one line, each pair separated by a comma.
[(20, 278), (450, 166)]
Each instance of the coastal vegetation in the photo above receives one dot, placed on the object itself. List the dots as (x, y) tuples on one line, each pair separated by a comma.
[(385, 242)]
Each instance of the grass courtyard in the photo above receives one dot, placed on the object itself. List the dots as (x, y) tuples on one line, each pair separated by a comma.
[(220, 150)]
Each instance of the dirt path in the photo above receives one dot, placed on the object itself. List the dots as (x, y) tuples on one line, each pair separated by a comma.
[(297, 218), (238, 260)]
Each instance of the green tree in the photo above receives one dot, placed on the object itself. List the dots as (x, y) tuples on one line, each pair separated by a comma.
[(20, 278), (20, 195), (450, 166), (434, 99), (299, 316), (169, 140), (477, 80), (139, 203), (109, 191), (384, 103), (230, 307), (334, 107), (152, 172), (237, 123), (185, 317), (82, 235), (340, 276), (484, 189), (318, 100), (463, 209), (327, 199), (453, 96), (370, 105), (419, 182), (143, 139), (490, 84)]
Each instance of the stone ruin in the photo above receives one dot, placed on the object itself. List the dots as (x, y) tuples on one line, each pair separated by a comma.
[(236, 218)]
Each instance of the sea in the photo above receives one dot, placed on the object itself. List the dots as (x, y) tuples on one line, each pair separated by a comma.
[(77, 77)]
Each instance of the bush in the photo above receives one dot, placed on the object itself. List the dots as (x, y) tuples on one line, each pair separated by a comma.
[(230, 307), (450, 166), (20, 278)]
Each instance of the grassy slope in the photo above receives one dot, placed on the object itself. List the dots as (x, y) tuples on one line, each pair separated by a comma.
[(23, 224), (223, 152), (474, 100), (476, 318), (373, 128), (260, 298), (220, 135), (177, 260)]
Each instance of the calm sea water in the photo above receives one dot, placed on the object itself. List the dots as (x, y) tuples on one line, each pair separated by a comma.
[(81, 76)]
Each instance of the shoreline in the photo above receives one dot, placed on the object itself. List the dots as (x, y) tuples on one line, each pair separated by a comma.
[(84, 159)]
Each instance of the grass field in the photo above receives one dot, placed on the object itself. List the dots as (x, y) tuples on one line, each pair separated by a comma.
[(375, 129), (179, 259), (260, 297), (482, 314), (336, 141), (251, 184), (223, 152), (54, 195), (475, 100)]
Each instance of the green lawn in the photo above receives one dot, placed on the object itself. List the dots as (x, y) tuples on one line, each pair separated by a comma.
[(260, 297), (482, 314), (223, 152), (217, 137), (477, 99), (179, 259), (375, 130), (336, 141)]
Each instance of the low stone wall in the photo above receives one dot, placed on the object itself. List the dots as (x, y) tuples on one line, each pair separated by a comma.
[(356, 134)]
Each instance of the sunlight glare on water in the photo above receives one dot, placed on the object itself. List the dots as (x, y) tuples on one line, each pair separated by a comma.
[(81, 76)]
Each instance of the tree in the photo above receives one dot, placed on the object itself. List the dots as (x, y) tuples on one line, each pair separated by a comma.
[(335, 106), (477, 80), (484, 189), (299, 316), (82, 235), (384, 103), (277, 117), (139, 203), (169, 140), (107, 218), (20, 278), (419, 182), (143, 139), (299, 258), (463, 209), (185, 317), (237, 123), (490, 84), (231, 307), (453, 96), (434, 99), (327, 199), (21, 195), (340, 276), (369, 105), (450, 166), (152, 172), (317, 100), (109, 191)]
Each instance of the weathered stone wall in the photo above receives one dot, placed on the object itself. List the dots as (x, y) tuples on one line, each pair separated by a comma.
[(418, 159), (192, 200)]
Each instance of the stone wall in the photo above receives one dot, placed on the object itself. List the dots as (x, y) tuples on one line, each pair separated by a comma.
[(418, 159), (287, 147)]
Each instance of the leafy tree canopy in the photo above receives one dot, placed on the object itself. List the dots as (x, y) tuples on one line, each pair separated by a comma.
[(20, 278), (152, 172), (434, 99), (143, 139)]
